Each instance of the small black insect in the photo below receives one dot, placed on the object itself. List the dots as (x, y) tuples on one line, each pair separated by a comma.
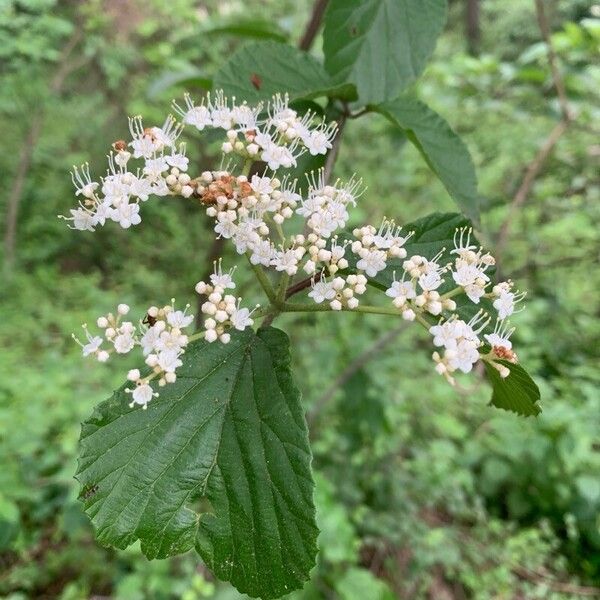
[(148, 320)]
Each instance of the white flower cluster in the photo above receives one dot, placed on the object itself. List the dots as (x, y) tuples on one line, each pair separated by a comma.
[(461, 341), (160, 337), (277, 139), (252, 212), (223, 310)]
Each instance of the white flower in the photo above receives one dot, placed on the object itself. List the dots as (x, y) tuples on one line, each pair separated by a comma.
[(143, 146), (178, 159), (371, 261), (401, 291), (127, 215), (82, 219), (465, 273), (501, 335), (244, 117), (447, 334), (240, 319), (322, 290), (278, 156), (168, 360), (262, 185), (262, 253), (103, 212), (317, 143), (464, 356), (149, 339), (506, 302), (197, 116), (123, 343), (179, 319), (154, 167), (142, 394), (287, 261), (220, 279), (166, 136), (92, 346), (171, 340), (83, 182)]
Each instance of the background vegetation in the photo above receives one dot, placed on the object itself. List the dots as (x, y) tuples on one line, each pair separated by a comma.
[(422, 490)]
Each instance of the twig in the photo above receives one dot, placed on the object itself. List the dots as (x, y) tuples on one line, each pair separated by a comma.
[(360, 361), (531, 173), (302, 285), (312, 27), (535, 166), (553, 61)]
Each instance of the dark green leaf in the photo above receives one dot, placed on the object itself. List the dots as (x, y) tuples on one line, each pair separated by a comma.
[(381, 46), (261, 69), (517, 392), (445, 153), (230, 434)]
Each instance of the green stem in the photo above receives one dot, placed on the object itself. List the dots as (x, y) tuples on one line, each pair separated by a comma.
[(455, 292), (361, 308), (282, 289), (263, 280), (247, 166)]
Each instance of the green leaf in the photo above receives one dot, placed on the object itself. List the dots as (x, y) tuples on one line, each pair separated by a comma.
[(228, 434), (260, 69), (517, 392), (247, 28), (192, 78), (445, 153), (381, 46)]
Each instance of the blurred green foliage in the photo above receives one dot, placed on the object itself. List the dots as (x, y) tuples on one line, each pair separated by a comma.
[(422, 490)]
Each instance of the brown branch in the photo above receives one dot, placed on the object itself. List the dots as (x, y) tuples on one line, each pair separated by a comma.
[(312, 27), (536, 165), (531, 173), (557, 79), (358, 363), (302, 284), (553, 584)]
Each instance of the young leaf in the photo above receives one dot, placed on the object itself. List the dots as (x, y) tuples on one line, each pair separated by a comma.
[(381, 46), (517, 392), (228, 434), (445, 153), (258, 70)]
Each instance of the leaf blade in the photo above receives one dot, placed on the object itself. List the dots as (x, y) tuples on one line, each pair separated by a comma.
[(517, 393), (381, 46), (148, 468), (259, 70), (443, 150)]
